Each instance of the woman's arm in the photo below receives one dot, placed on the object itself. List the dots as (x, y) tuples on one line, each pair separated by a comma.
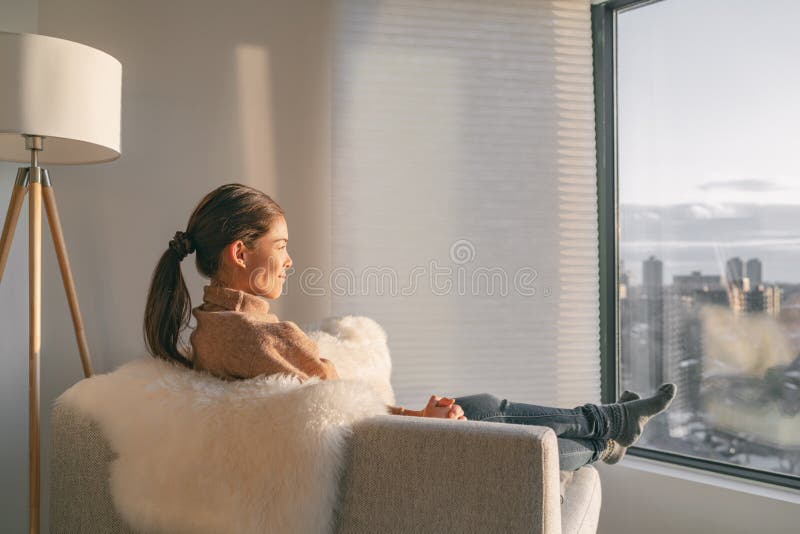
[(443, 408), (398, 410), (330, 372)]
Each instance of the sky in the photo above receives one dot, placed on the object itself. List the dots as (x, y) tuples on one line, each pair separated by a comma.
[(709, 135)]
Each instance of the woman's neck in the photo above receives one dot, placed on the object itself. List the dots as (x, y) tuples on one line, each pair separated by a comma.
[(221, 282)]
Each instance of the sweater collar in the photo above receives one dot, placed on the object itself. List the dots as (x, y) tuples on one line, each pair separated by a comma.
[(236, 300)]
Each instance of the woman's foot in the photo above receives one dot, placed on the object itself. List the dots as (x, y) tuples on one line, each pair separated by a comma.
[(615, 452), (636, 413)]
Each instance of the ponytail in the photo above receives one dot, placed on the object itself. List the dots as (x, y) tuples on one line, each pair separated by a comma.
[(168, 305)]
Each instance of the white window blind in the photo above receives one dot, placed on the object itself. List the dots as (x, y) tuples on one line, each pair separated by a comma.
[(463, 139)]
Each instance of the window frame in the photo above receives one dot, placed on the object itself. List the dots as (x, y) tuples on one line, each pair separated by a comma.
[(604, 17)]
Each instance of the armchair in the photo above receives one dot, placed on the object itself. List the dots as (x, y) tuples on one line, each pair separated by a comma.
[(500, 478)]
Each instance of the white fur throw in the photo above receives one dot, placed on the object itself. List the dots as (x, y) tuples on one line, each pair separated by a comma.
[(198, 454)]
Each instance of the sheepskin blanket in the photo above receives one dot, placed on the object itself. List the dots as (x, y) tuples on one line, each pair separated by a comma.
[(197, 454)]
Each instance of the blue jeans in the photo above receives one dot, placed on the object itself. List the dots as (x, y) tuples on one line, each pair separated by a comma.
[(581, 431)]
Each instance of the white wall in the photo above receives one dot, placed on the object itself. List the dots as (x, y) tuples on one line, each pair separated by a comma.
[(639, 500), (189, 68), (212, 93)]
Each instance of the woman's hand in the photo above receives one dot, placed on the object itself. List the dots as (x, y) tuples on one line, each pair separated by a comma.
[(443, 408)]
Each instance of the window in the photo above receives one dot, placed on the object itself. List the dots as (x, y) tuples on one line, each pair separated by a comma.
[(697, 124)]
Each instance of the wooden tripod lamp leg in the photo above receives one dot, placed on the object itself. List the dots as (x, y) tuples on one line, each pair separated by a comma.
[(66, 273), (12, 216), (35, 317)]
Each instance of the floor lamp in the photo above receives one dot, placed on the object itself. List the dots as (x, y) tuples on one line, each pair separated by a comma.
[(59, 104)]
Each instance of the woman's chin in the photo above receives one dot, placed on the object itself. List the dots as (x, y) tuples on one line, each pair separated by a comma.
[(276, 294), (269, 291)]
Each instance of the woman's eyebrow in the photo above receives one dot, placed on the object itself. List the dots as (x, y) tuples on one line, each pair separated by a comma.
[(281, 239)]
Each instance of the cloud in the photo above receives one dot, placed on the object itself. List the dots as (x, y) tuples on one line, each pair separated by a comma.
[(777, 244), (711, 210), (749, 185), (652, 215), (647, 215), (701, 212)]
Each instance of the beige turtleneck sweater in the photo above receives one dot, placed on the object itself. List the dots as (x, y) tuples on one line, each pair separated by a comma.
[(237, 337)]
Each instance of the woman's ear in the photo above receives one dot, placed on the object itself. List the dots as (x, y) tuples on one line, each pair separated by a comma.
[(236, 253)]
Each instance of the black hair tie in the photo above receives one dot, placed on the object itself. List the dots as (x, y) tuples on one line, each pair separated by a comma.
[(182, 245)]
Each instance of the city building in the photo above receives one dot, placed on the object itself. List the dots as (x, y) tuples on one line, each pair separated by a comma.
[(650, 370), (734, 271), (696, 281), (754, 272)]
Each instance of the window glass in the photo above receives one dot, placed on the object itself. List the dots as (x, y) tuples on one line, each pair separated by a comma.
[(709, 225)]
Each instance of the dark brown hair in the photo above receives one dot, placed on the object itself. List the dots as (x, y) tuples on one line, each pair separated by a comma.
[(227, 214)]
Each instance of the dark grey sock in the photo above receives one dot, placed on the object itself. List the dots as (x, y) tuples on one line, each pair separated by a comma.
[(629, 421), (615, 452)]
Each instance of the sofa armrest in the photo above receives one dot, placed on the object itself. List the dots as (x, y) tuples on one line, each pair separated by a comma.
[(80, 456), (413, 474)]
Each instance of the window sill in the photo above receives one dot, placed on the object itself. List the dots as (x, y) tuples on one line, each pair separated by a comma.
[(752, 487)]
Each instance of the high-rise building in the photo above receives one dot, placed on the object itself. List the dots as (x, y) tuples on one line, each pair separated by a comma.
[(683, 357), (734, 271), (737, 298), (754, 272), (772, 300), (653, 300), (652, 276)]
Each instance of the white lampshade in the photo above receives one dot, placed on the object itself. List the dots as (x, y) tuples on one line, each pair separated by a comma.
[(66, 92)]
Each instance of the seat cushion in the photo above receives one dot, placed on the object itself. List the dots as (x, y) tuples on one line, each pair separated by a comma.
[(581, 496)]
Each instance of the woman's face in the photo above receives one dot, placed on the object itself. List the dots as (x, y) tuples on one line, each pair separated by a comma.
[(269, 261), (261, 270)]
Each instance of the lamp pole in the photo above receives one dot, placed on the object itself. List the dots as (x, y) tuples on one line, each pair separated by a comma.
[(34, 144)]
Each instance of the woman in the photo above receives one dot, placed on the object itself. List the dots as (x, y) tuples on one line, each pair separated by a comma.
[(240, 237)]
